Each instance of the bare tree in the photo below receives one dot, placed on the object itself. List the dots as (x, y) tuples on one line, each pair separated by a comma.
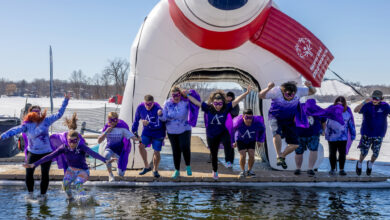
[(118, 70), (106, 83), (77, 80)]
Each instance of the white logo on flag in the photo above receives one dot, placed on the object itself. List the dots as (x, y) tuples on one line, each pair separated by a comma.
[(303, 48)]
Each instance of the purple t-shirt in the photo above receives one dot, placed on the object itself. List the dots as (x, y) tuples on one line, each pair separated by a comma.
[(280, 107), (74, 158), (249, 134), (374, 119), (314, 129), (216, 120), (155, 128)]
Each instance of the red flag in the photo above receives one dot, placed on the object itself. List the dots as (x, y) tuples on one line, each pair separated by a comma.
[(289, 40)]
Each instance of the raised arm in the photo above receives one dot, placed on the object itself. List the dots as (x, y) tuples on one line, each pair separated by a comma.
[(360, 106), (242, 96), (264, 92), (52, 118), (194, 101), (312, 90), (104, 135)]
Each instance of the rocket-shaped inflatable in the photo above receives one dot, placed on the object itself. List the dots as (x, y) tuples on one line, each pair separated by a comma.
[(244, 41)]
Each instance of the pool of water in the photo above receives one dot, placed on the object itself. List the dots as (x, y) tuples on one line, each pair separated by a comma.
[(203, 202)]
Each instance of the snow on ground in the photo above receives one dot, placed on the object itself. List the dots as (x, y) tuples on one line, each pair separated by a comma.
[(334, 87)]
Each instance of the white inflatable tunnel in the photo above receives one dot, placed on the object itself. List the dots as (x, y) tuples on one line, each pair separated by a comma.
[(217, 40)]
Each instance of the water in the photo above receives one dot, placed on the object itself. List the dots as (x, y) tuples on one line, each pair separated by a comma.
[(205, 202)]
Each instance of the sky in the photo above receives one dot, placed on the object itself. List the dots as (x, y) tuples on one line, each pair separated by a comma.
[(87, 34)]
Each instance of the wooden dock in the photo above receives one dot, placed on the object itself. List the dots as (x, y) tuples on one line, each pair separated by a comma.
[(201, 172)]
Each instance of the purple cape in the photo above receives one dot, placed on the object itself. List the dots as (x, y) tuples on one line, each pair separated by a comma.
[(237, 121), (194, 109), (310, 108), (124, 157), (57, 140)]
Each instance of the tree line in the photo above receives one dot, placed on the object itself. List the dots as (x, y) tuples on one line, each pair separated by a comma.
[(111, 81)]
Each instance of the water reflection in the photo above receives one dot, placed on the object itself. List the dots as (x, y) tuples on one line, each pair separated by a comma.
[(205, 202)]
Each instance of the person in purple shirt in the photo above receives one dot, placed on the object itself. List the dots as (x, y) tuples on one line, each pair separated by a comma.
[(247, 133), (36, 127), (373, 130), (284, 106), (309, 138), (153, 132), (338, 136), (217, 110), (115, 146), (77, 171)]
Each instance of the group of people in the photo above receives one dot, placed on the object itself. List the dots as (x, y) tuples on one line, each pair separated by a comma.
[(300, 124)]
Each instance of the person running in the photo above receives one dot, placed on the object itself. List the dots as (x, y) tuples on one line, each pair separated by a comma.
[(179, 115), (36, 127), (217, 110), (285, 101), (118, 144), (373, 129), (77, 171), (248, 130), (153, 132), (338, 135), (309, 138)]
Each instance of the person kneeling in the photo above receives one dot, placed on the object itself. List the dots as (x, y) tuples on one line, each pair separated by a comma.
[(77, 171), (248, 130)]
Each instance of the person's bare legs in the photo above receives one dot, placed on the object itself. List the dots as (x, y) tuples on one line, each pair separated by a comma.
[(251, 160), (278, 144), (298, 160), (242, 159), (312, 159), (156, 160), (144, 154), (289, 149)]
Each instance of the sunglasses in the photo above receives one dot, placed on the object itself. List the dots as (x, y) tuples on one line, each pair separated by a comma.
[(73, 141), (289, 95), (376, 99), (149, 104), (113, 120), (218, 103), (175, 95), (36, 110), (248, 117)]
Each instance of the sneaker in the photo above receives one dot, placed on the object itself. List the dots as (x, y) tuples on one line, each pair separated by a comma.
[(332, 172), (30, 196), (215, 175), (111, 177), (69, 200), (144, 171), (229, 164), (251, 173), (242, 174), (42, 197), (189, 171), (176, 174), (156, 174), (358, 170), (311, 173), (297, 172), (368, 171), (342, 173), (282, 162)]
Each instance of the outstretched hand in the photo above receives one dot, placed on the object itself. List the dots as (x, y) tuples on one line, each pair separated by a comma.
[(308, 84), (249, 89), (67, 95), (26, 165)]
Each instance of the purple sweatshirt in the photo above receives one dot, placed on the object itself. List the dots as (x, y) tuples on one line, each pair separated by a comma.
[(155, 128), (247, 134), (74, 158)]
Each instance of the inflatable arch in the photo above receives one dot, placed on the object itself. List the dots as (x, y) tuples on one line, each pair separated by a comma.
[(242, 41)]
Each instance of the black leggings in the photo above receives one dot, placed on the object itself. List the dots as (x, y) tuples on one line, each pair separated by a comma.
[(45, 168), (227, 145), (214, 143), (335, 146), (181, 143)]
